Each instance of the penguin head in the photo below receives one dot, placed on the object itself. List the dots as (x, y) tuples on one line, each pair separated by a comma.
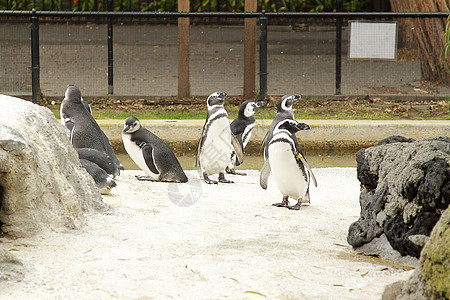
[(248, 108), (73, 94), (131, 125), (216, 99), (287, 101), (290, 125)]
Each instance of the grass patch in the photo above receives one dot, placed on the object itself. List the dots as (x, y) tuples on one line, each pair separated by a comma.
[(332, 109)]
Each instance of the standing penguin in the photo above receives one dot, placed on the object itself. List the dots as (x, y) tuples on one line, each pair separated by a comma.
[(284, 111), (109, 148), (242, 128), (290, 170), (216, 144), (151, 154), (84, 130)]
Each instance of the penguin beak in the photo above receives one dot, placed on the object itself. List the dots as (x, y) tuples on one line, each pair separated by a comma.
[(260, 104), (297, 97), (221, 98), (302, 126), (126, 128)]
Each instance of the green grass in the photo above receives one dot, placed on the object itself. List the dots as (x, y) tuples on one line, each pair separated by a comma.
[(353, 109)]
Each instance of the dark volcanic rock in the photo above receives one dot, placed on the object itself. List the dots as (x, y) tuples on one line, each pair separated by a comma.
[(395, 139), (430, 280), (405, 188)]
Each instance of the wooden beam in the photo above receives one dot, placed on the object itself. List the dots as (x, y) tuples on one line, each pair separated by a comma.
[(183, 51), (249, 50)]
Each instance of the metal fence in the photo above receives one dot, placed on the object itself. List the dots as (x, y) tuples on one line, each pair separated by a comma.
[(135, 54)]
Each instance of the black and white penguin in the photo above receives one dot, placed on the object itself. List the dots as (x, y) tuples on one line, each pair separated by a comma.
[(84, 130), (103, 181), (289, 168), (284, 111), (242, 128), (151, 154), (216, 144), (109, 148), (100, 158)]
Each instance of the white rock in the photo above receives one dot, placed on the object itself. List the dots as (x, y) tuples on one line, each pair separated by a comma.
[(42, 184)]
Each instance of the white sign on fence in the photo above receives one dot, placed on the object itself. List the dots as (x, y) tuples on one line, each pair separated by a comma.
[(373, 40)]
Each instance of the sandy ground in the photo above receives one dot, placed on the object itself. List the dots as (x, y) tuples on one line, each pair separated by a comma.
[(229, 243)]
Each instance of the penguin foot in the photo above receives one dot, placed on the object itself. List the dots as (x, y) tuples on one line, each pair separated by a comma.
[(145, 178), (284, 203), (296, 206), (223, 180), (233, 172), (209, 181)]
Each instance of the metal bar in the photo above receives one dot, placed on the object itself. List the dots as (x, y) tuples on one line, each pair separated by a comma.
[(110, 52), (338, 48), (356, 15), (263, 57), (35, 66)]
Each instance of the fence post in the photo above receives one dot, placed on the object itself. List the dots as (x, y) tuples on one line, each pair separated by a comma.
[(183, 51), (110, 51), (35, 65), (338, 48), (263, 57), (249, 50)]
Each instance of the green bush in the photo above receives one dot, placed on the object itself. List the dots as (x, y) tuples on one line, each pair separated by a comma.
[(196, 5)]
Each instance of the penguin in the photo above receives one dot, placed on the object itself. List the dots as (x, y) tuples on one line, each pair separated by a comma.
[(289, 168), (84, 130), (109, 148), (242, 128), (100, 158), (151, 154), (284, 111), (103, 181), (86, 106), (216, 144)]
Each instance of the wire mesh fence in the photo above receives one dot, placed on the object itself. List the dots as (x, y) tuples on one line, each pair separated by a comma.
[(73, 54), (15, 59), (301, 58)]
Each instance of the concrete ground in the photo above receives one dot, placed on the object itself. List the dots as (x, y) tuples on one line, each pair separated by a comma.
[(198, 241)]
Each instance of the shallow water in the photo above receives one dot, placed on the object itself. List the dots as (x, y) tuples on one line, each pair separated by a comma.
[(256, 162)]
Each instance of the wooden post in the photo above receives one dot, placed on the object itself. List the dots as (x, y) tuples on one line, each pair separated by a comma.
[(183, 51), (249, 50)]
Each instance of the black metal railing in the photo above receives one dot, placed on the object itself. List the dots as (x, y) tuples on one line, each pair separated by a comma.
[(263, 17)]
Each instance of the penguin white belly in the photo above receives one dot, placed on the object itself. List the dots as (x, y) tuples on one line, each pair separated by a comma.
[(136, 155), (247, 134), (216, 151), (287, 174)]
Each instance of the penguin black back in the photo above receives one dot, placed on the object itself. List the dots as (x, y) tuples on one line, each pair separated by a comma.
[(151, 153), (100, 158), (85, 133)]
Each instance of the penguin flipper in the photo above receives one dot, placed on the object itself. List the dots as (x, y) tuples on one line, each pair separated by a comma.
[(237, 148), (241, 142), (71, 126), (264, 175), (305, 163), (147, 152), (263, 143)]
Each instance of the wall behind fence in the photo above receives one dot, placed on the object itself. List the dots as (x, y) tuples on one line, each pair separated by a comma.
[(301, 59)]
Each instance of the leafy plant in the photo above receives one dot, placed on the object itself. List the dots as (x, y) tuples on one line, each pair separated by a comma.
[(197, 5)]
